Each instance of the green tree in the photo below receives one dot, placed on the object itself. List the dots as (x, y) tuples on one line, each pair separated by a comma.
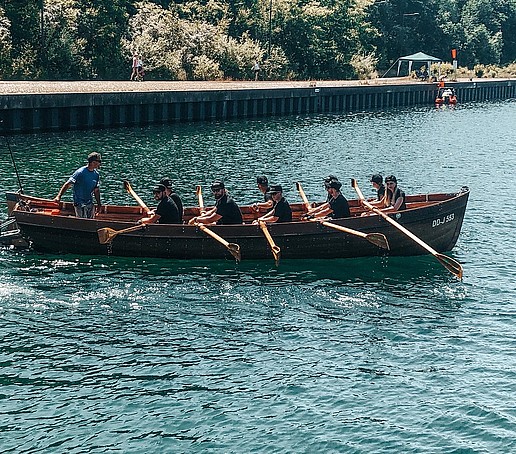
[(24, 16), (5, 45), (102, 24)]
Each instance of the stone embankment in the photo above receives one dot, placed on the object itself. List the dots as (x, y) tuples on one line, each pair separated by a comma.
[(63, 105)]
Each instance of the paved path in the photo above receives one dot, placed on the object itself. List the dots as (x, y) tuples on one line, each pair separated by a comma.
[(113, 86), (42, 87)]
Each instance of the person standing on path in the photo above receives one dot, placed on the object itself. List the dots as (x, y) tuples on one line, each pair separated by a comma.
[(85, 181), (134, 74), (256, 69)]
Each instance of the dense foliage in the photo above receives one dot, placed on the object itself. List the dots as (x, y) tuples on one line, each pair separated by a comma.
[(221, 39)]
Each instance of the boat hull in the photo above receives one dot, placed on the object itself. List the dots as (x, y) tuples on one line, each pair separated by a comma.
[(438, 224)]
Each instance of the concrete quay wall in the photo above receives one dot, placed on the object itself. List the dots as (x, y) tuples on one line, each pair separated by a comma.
[(36, 106)]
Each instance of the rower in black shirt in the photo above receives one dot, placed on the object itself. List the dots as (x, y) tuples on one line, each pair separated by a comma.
[(377, 181), (263, 187), (225, 211), (337, 207), (327, 181), (281, 212), (395, 196), (166, 212), (167, 182)]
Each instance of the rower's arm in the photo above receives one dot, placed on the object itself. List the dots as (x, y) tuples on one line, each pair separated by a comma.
[(63, 189)]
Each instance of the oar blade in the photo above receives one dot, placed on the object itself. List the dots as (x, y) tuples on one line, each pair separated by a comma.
[(276, 252), (235, 251), (451, 265), (106, 235), (127, 186), (378, 239)]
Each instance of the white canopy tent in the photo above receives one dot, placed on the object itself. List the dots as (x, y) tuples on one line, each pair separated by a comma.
[(418, 57)]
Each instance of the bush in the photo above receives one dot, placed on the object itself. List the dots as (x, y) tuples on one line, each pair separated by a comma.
[(364, 65), (204, 68)]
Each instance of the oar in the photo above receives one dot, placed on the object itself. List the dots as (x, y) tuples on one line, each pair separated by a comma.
[(106, 235), (450, 264), (303, 195), (233, 248), (276, 251), (130, 190), (378, 239), (198, 193)]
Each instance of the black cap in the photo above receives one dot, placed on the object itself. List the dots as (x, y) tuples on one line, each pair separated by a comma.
[(167, 182), (217, 185), (330, 178), (159, 188), (391, 178), (262, 180), (275, 188), (334, 184), (376, 178)]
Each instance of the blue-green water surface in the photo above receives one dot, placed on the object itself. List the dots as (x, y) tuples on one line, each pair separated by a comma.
[(107, 354)]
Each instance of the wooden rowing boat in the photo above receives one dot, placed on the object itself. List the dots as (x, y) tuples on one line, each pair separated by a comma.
[(52, 227)]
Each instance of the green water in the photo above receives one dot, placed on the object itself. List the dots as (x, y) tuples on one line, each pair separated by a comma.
[(105, 354)]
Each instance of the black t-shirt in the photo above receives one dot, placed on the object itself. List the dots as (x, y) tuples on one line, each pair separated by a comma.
[(267, 195), (168, 212), (228, 209), (179, 203), (381, 192), (340, 207), (397, 194), (282, 211)]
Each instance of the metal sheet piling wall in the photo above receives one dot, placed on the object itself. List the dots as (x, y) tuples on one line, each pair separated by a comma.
[(20, 113)]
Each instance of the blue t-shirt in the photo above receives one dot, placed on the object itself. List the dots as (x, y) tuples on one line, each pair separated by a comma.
[(84, 182)]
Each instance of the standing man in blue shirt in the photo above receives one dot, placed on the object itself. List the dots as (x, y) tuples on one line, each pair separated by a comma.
[(85, 181)]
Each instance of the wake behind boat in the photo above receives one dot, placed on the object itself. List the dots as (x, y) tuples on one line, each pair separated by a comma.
[(50, 226)]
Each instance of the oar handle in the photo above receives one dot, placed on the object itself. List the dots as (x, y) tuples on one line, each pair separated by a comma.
[(303, 195), (136, 197), (198, 192)]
